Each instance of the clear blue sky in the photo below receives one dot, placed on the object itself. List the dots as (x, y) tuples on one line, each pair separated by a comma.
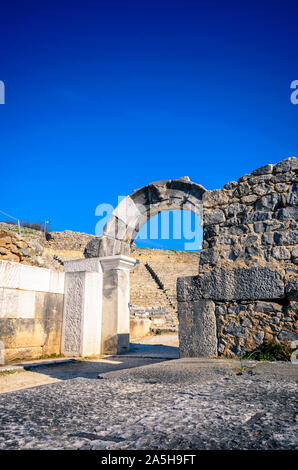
[(103, 97)]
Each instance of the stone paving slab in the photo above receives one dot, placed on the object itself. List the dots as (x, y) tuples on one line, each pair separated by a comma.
[(179, 404), (33, 364)]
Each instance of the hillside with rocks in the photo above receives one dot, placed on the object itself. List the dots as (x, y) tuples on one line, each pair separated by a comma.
[(39, 249)]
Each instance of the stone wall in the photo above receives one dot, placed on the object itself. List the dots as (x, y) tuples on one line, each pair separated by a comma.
[(67, 240), (26, 250), (34, 248), (31, 307), (248, 265)]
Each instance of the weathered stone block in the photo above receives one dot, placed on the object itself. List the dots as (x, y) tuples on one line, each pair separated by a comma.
[(281, 187), (189, 288), (295, 252), (268, 203), (23, 333), (209, 256), (262, 189), (287, 336), (236, 208), (211, 231), (242, 284), (286, 238), (250, 240), (220, 310), (263, 170), (283, 178), (246, 322), (197, 329), (236, 330), (214, 217), (289, 164), (216, 197), (252, 251), (288, 213), (293, 195), (139, 327), (269, 226), (267, 307), (259, 180), (249, 199), (257, 216), (268, 239), (115, 228), (15, 303), (242, 190), (105, 246), (238, 229), (292, 289), (259, 337), (280, 253), (231, 185), (92, 248), (48, 306), (33, 352)]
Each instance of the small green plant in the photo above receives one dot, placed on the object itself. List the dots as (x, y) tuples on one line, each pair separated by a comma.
[(50, 356), (271, 351), (8, 372)]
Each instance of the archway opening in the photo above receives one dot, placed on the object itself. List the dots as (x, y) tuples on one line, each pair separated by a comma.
[(166, 247)]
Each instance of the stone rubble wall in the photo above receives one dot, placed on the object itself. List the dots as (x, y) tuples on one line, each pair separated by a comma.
[(25, 250), (32, 247), (248, 263), (67, 241)]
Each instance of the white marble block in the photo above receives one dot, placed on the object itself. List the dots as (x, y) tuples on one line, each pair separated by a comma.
[(82, 311)]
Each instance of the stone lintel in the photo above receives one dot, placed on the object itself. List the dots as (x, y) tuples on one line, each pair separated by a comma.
[(257, 283), (84, 264)]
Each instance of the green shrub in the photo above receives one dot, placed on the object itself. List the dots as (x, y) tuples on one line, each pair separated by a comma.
[(271, 351)]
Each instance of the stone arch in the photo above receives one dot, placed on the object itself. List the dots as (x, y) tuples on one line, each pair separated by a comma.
[(135, 210)]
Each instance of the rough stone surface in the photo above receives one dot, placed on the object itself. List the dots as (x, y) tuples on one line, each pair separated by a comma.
[(242, 284), (20, 249), (249, 252), (249, 257), (292, 289), (180, 404), (199, 318), (34, 248)]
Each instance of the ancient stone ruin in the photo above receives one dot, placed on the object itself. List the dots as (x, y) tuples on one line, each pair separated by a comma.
[(246, 288)]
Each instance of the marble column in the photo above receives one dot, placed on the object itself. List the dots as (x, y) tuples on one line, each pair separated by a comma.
[(115, 319)]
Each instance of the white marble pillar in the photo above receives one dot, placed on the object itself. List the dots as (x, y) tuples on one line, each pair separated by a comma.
[(82, 310), (115, 324)]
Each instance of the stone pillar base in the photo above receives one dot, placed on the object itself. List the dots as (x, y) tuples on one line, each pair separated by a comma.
[(115, 325)]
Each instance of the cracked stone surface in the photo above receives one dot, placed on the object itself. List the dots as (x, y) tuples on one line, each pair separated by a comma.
[(178, 404)]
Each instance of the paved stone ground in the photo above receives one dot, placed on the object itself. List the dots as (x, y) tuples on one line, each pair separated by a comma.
[(177, 404), (164, 346)]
